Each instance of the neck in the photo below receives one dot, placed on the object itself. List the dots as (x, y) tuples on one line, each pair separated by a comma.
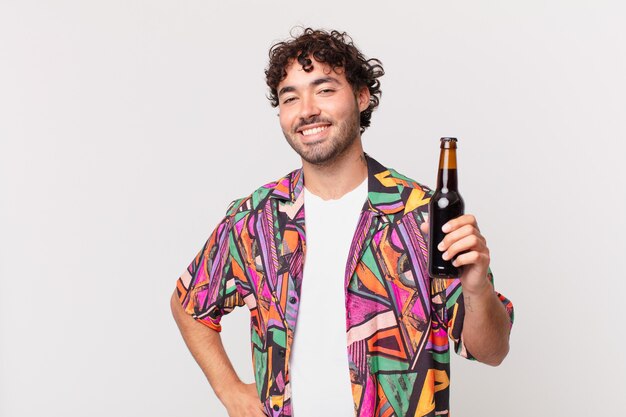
[(447, 177), (341, 175)]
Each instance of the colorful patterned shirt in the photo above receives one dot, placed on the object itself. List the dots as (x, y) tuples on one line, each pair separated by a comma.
[(398, 319)]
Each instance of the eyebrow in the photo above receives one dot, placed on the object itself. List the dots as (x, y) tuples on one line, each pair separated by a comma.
[(314, 83)]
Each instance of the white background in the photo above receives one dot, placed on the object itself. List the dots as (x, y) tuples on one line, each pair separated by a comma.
[(126, 127)]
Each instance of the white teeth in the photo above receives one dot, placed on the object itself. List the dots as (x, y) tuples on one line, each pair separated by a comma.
[(313, 131)]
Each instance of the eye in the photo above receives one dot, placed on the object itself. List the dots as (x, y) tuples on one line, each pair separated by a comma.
[(288, 100), (326, 91)]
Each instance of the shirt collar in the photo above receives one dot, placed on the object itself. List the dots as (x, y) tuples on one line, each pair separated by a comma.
[(385, 188)]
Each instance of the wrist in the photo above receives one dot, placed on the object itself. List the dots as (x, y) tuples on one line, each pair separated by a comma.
[(481, 290), (227, 391)]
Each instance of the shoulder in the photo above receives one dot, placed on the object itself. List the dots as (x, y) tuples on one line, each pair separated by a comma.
[(280, 188), (402, 181), (388, 180), (399, 195)]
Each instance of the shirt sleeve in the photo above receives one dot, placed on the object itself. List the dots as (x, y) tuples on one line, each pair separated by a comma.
[(207, 289), (455, 314)]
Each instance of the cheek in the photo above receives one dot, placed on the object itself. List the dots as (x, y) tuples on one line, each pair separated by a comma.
[(286, 120), (344, 109), (283, 123), (345, 113)]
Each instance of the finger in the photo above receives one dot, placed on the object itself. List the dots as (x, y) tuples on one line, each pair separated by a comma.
[(468, 243), (459, 222), (459, 234), (424, 227), (471, 258)]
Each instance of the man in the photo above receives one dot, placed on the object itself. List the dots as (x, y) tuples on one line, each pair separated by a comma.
[(359, 328)]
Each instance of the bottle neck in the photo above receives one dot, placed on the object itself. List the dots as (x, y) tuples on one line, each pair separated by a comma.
[(447, 177)]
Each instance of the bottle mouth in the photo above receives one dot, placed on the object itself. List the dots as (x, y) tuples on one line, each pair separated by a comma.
[(448, 143)]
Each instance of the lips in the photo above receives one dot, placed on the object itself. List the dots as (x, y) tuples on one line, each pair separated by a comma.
[(312, 129)]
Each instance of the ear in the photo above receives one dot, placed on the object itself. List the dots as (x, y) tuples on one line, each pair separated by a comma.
[(363, 98)]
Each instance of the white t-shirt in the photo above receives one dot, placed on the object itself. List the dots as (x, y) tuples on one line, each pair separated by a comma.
[(319, 374)]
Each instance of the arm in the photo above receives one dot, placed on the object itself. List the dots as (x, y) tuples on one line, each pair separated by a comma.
[(486, 324), (205, 345)]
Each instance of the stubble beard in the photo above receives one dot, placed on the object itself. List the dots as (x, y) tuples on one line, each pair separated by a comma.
[(324, 153)]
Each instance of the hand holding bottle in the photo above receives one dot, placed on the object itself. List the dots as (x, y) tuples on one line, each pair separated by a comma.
[(456, 249), (464, 243)]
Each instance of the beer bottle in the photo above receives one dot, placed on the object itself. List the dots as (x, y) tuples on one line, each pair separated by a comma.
[(446, 204)]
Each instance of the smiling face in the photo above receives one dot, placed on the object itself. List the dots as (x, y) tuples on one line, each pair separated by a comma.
[(319, 112)]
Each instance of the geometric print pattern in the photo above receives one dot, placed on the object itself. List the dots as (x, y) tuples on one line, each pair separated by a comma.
[(398, 320)]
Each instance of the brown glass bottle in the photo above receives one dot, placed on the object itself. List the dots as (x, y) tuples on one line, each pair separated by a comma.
[(446, 204)]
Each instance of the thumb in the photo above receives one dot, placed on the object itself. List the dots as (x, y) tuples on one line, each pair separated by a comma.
[(424, 227)]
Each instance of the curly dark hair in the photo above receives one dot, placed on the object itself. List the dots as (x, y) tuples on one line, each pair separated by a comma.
[(333, 48)]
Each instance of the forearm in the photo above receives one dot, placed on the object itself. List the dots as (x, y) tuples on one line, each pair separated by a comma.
[(486, 326), (207, 349)]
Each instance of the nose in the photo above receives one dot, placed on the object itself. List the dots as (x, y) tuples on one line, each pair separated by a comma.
[(308, 107)]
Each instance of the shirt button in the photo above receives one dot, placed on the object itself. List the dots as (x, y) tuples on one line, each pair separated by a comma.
[(292, 300), (276, 407), (282, 352)]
